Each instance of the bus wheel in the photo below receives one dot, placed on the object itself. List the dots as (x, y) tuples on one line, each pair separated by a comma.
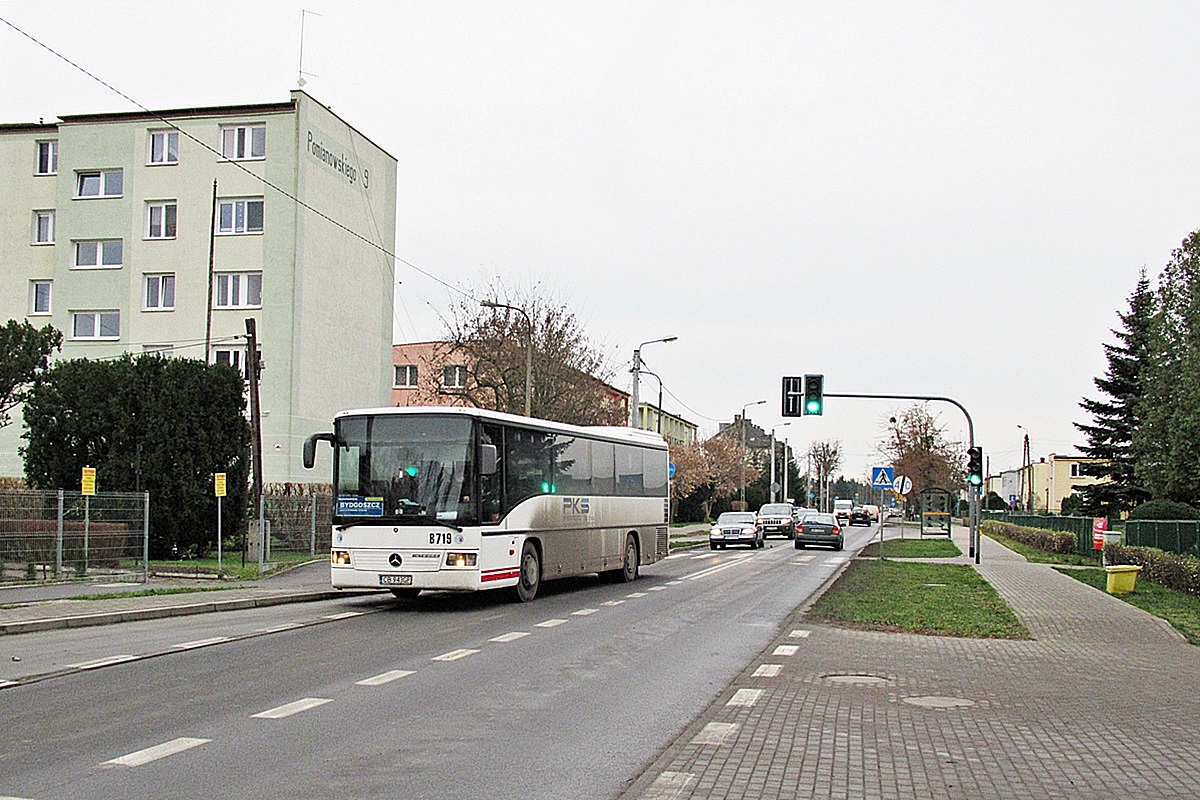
[(531, 573), (629, 572), (406, 594)]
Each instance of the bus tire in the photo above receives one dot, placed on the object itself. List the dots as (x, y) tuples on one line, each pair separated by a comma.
[(406, 594), (531, 573), (629, 569)]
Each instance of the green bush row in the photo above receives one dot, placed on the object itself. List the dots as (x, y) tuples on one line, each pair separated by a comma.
[(1050, 541), (1178, 572)]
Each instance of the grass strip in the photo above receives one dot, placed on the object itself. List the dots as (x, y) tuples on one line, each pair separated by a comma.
[(1179, 609), (914, 548), (915, 597), (1038, 556)]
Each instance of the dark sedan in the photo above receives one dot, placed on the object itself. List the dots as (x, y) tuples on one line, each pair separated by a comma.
[(819, 529)]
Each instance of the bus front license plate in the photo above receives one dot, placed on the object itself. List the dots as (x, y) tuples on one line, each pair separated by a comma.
[(395, 580)]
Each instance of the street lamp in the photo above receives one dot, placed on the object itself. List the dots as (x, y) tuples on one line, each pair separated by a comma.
[(659, 415), (637, 369), (528, 347), (742, 491), (773, 429)]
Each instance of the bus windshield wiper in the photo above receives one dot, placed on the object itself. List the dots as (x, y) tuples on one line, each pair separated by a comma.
[(429, 518), (400, 520)]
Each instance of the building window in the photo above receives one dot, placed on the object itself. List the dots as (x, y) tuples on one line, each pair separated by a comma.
[(164, 147), (47, 157), (240, 216), (99, 254), (39, 297), (101, 183), (244, 141), (43, 227), (160, 220), (160, 292), (454, 377), (95, 324), (237, 290), (406, 376), (1076, 470), (233, 356)]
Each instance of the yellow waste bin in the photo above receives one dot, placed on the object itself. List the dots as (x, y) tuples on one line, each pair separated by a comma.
[(1122, 578)]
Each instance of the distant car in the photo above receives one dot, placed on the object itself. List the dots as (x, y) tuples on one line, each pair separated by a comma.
[(800, 512), (736, 527), (819, 529), (860, 516), (842, 509), (777, 519), (873, 510)]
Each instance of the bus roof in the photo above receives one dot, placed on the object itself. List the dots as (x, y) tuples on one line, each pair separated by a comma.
[(613, 433)]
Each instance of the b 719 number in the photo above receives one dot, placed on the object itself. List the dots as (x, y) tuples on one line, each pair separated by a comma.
[(439, 537)]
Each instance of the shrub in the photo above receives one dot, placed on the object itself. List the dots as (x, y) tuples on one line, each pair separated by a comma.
[(1164, 509), (1050, 541), (1178, 572)]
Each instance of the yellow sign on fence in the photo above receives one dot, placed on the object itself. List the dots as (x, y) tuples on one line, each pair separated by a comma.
[(87, 483), (219, 484)]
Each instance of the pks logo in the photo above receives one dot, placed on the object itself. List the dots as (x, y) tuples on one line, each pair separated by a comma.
[(577, 506)]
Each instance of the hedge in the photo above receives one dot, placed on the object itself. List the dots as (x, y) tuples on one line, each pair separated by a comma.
[(1178, 572), (1050, 541)]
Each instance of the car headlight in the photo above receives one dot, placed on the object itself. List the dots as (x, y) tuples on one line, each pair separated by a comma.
[(340, 557), (461, 559)]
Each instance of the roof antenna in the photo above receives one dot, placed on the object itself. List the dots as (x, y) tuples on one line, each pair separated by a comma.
[(300, 72)]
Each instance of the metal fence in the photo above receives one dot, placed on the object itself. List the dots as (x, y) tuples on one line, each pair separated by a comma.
[(298, 523), (1174, 536), (1081, 527), (61, 535)]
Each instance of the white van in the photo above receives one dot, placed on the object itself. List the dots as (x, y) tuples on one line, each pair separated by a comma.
[(842, 509)]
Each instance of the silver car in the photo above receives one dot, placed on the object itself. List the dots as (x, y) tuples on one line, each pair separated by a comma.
[(736, 527)]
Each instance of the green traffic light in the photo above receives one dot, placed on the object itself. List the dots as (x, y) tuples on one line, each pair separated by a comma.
[(812, 407)]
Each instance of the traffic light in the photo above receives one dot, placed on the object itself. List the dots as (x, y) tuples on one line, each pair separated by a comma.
[(975, 466), (814, 395)]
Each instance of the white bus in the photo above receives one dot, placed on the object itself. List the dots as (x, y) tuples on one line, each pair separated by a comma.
[(466, 499)]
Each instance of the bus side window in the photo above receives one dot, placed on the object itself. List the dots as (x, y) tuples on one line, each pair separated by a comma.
[(491, 486)]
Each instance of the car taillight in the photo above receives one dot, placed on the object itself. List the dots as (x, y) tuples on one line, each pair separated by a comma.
[(837, 531), (799, 529)]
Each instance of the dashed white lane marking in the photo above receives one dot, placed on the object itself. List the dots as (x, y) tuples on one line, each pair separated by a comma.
[(509, 637), (551, 623), (344, 615), (636, 594), (154, 753), (2, 685), (715, 733), (674, 583), (385, 677), (704, 573), (669, 786), (785, 650), (103, 662), (745, 697), (291, 708), (703, 555), (768, 671), (612, 602), (200, 643), (14, 798), (455, 655), (800, 634), (658, 588), (584, 612)]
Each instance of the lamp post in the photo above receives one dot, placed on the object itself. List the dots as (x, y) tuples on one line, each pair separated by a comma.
[(659, 415), (1026, 464), (742, 491), (772, 487), (528, 347), (637, 377)]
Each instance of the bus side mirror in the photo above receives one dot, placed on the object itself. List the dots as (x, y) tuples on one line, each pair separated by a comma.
[(487, 459), (310, 447)]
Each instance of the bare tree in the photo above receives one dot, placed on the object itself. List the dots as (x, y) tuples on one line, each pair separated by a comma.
[(569, 374), (917, 447), (713, 468), (826, 458)]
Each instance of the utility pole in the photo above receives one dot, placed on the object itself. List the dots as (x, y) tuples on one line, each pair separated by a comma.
[(253, 368)]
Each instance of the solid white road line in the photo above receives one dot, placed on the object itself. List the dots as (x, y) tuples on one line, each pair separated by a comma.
[(103, 662), (200, 643), (344, 615), (154, 753), (291, 708), (386, 677)]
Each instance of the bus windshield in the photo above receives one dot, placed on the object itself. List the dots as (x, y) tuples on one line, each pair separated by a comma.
[(405, 469)]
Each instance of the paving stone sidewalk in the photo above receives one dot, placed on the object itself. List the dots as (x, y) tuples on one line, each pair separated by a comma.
[(1102, 702)]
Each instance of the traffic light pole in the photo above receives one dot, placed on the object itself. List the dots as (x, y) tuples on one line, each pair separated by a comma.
[(974, 491)]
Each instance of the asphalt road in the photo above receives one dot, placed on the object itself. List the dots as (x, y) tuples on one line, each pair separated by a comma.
[(446, 696)]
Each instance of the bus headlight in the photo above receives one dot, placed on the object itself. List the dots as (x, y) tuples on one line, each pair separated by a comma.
[(340, 557), (462, 559)]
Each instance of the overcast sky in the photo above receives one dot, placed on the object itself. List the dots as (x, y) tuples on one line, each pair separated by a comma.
[(912, 198)]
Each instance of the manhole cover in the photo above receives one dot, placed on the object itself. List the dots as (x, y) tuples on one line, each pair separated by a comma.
[(939, 702), (858, 680)]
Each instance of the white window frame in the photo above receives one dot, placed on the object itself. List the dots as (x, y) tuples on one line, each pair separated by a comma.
[(162, 148), (101, 252), (235, 356), (238, 142), (35, 310), (233, 216), (102, 176), (409, 381), (235, 289), (97, 326), (43, 234), (1077, 469), (459, 379), (168, 218), (46, 157), (158, 291)]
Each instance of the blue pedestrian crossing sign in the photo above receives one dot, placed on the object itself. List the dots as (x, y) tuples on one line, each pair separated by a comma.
[(882, 477)]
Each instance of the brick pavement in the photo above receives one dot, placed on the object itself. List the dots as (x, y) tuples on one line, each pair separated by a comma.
[(1102, 702)]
